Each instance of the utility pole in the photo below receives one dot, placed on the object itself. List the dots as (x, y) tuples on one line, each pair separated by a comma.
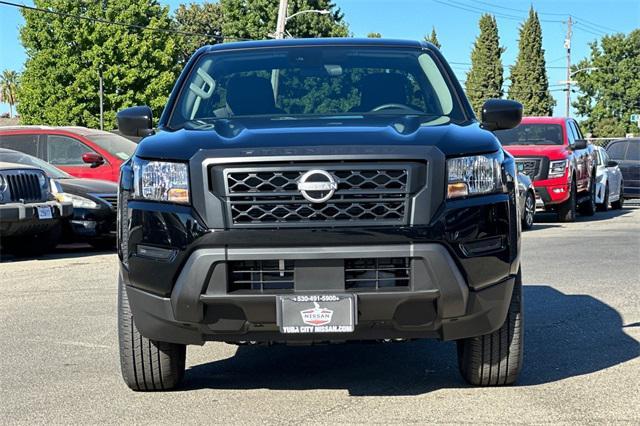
[(282, 19), (567, 45), (101, 88)]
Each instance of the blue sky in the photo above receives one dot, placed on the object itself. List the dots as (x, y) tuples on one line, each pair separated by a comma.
[(456, 22)]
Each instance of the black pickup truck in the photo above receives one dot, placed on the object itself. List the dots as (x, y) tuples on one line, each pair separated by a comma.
[(318, 191)]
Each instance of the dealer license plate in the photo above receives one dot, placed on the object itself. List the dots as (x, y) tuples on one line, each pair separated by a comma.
[(319, 313), (44, 212)]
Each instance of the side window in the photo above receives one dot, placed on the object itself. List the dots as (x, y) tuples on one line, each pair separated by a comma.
[(578, 132), (571, 135), (65, 151), (605, 157), (23, 143), (599, 157), (617, 150), (633, 152)]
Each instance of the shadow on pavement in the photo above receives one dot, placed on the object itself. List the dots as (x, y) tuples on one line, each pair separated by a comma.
[(543, 217), (566, 336), (64, 251)]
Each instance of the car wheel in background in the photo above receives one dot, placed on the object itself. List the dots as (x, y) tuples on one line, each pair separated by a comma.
[(588, 207), (147, 365), (529, 211), (496, 359), (605, 200), (617, 205), (567, 210)]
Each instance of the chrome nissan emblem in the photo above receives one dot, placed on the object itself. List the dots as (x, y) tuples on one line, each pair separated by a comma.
[(317, 186)]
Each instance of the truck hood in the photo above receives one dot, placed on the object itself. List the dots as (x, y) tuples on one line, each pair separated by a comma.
[(451, 139), (553, 152)]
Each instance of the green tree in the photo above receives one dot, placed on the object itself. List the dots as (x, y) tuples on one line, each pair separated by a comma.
[(204, 18), (374, 35), (256, 19), (609, 82), (485, 78), (65, 55), (9, 81), (529, 82), (433, 38)]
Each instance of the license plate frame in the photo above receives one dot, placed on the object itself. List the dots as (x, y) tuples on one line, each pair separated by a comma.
[(316, 313), (44, 212)]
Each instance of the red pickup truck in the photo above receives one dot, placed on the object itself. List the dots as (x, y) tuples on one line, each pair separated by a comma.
[(561, 163)]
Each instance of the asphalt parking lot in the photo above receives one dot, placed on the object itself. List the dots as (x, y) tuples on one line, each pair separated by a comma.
[(59, 358)]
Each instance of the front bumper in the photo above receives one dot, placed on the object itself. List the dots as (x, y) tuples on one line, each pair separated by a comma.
[(438, 304), (464, 264), (552, 191), (91, 224), (22, 218)]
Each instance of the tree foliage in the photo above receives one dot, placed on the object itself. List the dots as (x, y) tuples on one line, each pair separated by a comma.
[(256, 19), (529, 82), (485, 78), (204, 18), (65, 55), (9, 81), (609, 82), (433, 38), (374, 35)]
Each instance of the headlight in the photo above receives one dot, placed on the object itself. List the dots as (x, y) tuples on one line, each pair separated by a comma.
[(161, 181), (477, 174), (78, 201), (557, 168)]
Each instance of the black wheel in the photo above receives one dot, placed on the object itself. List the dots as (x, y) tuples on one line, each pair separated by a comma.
[(34, 245), (529, 211), (588, 207), (617, 205), (495, 359), (147, 365), (605, 200), (567, 210)]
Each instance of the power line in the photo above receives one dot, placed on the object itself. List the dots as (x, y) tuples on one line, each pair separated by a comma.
[(104, 21), (472, 8)]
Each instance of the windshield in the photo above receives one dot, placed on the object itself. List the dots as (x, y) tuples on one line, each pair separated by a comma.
[(116, 145), (531, 134), (317, 82), (28, 160)]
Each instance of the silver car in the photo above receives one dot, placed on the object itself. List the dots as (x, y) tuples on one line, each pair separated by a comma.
[(608, 181), (527, 201)]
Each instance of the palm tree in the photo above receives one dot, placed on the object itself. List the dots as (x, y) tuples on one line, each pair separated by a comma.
[(9, 81)]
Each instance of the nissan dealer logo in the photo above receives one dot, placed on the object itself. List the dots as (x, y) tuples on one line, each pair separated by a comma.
[(317, 186)]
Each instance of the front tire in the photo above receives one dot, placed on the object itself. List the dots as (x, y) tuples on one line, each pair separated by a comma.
[(617, 205), (147, 365), (567, 210), (529, 211), (495, 359), (588, 208)]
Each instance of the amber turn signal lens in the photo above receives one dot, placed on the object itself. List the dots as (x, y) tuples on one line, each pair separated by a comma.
[(458, 189), (178, 195)]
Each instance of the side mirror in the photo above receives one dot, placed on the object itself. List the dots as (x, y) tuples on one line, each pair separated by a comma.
[(92, 158), (612, 163), (579, 144), (500, 114), (135, 121)]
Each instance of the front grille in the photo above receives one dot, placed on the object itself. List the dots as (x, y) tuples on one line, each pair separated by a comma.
[(109, 198), (366, 195), (377, 273), (260, 275), (359, 274), (528, 167), (24, 186)]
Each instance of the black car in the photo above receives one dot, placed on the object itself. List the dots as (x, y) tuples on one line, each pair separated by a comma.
[(318, 191), (94, 202), (626, 152), (30, 217)]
